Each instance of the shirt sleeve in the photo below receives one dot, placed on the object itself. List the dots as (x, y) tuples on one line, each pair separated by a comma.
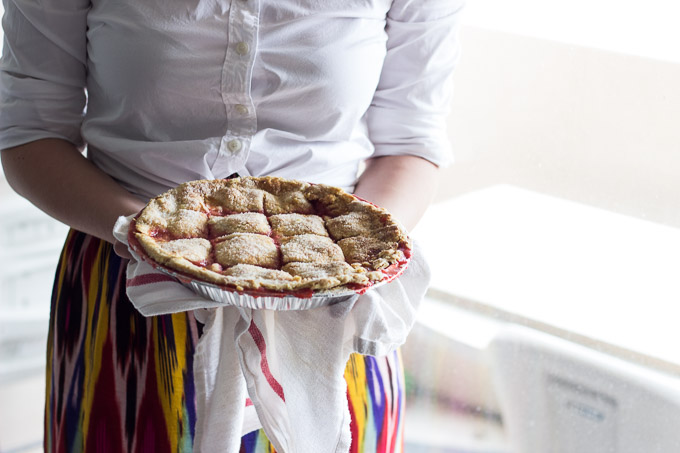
[(412, 101), (43, 70)]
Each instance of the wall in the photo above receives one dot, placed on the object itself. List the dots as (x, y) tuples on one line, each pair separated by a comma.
[(580, 123)]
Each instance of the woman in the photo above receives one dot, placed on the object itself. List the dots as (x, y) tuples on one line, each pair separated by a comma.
[(164, 92)]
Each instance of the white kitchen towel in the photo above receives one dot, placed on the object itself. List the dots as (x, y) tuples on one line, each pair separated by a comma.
[(283, 370)]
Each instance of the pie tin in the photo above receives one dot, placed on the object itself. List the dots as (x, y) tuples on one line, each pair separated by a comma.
[(223, 295), (284, 302)]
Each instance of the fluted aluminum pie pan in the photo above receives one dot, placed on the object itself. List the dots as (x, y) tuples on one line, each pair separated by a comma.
[(274, 302)]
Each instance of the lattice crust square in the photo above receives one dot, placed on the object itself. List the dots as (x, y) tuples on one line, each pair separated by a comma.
[(296, 224), (196, 250), (156, 214), (246, 222), (337, 269), (334, 200), (191, 195), (352, 224), (310, 248), (186, 223), (388, 233), (250, 271), (287, 202), (278, 186), (246, 248), (237, 199), (363, 249)]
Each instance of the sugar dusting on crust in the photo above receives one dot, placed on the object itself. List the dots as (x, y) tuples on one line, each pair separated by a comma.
[(352, 224), (247, 248), (287, 202), (245, 222), (295, 224), (310, 248), (195, 249), (366, 249), (338, 270), (233, 199), (250, 271), (186, 223)]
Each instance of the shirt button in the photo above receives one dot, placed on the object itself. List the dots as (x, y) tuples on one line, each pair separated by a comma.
[(242, 109), (234, 145), (242, 48)]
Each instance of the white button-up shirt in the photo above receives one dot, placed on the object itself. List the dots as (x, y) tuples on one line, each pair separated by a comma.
[(168, 91)]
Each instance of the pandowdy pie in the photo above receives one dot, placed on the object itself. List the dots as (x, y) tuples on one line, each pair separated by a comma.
[(271, 234)]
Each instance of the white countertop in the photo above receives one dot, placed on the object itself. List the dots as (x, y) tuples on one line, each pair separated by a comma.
[(594, 276)]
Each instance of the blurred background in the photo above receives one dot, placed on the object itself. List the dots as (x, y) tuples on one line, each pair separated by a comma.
[(554, 244)]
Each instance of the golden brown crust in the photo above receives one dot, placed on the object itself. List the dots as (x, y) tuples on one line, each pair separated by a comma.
[(233, 199), (287, 202), (352, 224), (365, 249), (186, 223), (295, 224), (270, 233), (196, 250), (245, 222), (334, 200), (310, 248), (277, 186), (250, 271), (338, 270), (247, 248)]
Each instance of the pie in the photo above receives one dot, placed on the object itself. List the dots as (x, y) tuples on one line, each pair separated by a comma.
[(271, 234)]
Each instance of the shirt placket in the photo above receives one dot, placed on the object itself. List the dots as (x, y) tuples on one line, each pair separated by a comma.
[(237, 74)]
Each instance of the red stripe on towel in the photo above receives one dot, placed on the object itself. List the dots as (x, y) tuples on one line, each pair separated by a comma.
[(146, 279), (259, 342)]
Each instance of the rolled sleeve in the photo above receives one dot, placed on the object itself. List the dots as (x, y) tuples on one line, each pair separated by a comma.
[(412, 101), (43, 71)]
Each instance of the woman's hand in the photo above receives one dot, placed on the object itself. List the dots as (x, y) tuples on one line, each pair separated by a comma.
[(404, 185), (58, 179)]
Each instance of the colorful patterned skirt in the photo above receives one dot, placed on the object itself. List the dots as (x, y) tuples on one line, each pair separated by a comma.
[(119, 382)]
